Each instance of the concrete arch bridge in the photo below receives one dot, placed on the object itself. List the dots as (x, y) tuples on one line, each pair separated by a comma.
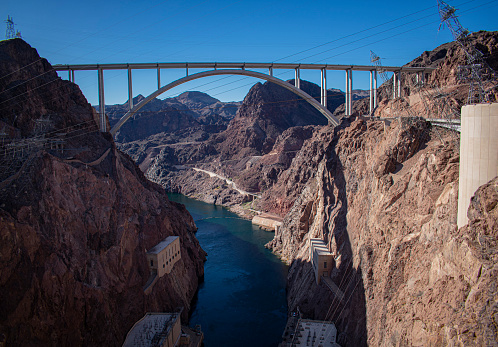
[(217, 69)]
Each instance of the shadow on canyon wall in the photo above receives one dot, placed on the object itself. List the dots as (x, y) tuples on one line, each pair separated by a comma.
[(318, 301)]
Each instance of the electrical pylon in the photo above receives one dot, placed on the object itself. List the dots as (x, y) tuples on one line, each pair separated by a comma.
[(476, 67)]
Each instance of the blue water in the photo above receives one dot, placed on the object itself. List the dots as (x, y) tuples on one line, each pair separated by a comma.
[(242, 299)]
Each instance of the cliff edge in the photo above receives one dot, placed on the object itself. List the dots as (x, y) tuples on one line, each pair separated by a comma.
[(76, 218), (385, 201)]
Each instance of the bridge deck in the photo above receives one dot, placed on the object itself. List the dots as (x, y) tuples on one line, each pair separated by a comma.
[(215, 65)]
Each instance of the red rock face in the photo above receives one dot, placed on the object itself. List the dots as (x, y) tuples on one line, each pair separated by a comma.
[(386, 202), (72, 260), (384, 198)]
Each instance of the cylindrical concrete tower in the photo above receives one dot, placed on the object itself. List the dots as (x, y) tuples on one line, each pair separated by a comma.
[(478, 153)]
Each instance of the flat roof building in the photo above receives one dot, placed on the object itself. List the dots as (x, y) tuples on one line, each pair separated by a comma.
[(307, 332), (321, 259), (316, 333), (164, 255), (155, 330)]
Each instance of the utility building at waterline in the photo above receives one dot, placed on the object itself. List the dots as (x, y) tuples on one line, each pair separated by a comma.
[(164, 255)]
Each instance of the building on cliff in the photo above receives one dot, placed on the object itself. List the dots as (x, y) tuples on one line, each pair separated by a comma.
[(163, 256), (157, 329), (309, 332), (321, 259)]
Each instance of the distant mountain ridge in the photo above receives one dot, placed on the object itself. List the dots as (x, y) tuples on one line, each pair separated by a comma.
[(189, 110)]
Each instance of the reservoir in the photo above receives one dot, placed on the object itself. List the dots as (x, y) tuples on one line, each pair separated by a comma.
[(242, 301)]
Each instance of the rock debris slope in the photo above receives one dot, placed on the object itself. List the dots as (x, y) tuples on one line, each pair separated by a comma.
[(72, 255)]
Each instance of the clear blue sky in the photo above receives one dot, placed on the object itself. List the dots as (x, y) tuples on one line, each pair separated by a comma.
[(91, 31)]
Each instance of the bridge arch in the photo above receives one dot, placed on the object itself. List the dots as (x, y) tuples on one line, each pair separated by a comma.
[(250, 73)]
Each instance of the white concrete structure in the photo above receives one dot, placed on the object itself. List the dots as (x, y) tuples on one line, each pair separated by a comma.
[(315, 333), (155, 329), (267, 221), (164, 255), (478, 152), (321, 259)]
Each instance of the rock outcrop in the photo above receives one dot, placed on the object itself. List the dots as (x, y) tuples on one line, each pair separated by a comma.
[(385, 202), (75, 224)]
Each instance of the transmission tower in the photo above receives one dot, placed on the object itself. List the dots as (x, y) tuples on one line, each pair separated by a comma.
[(10, 33), (400, 104), (476, 66), (375, 59)]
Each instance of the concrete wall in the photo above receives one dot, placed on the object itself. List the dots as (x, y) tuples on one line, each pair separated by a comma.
[(269, 223), (478, 153), (173, 335)]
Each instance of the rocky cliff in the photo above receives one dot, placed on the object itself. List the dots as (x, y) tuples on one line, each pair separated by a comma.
[(76, 218), (383, 196), (385, 202), (443, 81), (268, 110), (259, 143)]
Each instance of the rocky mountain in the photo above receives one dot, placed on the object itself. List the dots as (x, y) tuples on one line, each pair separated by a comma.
[(257, 146), (174, 118), (357, 93), (76, 218), (384, 199), (385, 202), (268, 110)]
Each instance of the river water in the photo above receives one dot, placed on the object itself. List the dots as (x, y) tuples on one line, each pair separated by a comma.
[(242, 299)]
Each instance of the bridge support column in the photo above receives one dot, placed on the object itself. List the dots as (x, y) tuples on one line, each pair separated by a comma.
[(346, 95), (398, 84), (371, 93), (375, 89), (103, 127), (70, 75), (297, 79), (270, 71), (395, 80), (324, 88), (130, 89), (158, 78), (349, 92)]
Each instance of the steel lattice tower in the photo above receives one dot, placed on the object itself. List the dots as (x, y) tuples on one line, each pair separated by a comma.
[(473, 71), (10, 32)]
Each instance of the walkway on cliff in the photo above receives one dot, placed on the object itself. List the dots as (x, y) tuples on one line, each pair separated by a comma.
[(229, 182)]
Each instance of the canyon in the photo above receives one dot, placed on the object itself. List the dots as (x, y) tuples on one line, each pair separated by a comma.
[(381, 194)]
